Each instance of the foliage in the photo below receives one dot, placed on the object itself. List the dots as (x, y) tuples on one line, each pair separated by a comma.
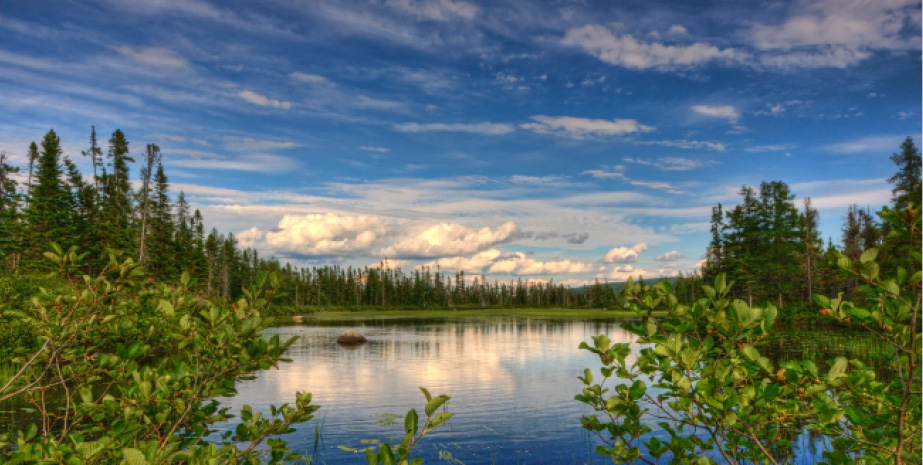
[(716, 396), (102, 396), (399, 454)]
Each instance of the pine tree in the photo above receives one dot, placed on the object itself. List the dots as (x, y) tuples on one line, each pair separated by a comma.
[(116, 207), (49, 211), (907, 179), (162, 260), (11, 226)]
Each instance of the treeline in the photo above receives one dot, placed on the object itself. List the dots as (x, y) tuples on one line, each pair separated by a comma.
[(771, 247), (50, 200)]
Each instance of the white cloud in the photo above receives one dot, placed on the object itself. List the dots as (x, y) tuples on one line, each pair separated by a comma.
[(262, 100), (255, 162), (668, 163), (838, 33), (622, 273), (670, 256), (769, 148), (239, 143), (309, 78), (494, 262), (581, 128), (473, 265), (721, 111), (677, 30), (603, 174), (629, 52), (154, 57), (877, 145), (687, 144), (435, 10), (493, 129), (624, 254), (519, 263), (447, 239), (319, 235), (371, 148)]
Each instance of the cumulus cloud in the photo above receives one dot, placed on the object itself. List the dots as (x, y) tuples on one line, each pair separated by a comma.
[(624, 254), (447, 239), (670, 256), (319, 234), (154, 57), (581, 128), (262, 100), (520, 264), (622, 273), (626, 51), (493, 261), (473, 265), (720, 111), (493, 129)]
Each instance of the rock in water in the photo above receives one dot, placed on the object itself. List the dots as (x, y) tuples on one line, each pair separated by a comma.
[(351, 337)]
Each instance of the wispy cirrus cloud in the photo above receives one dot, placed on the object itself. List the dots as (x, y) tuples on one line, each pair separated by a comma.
[(262, 100), (154, 57), (627, 51), (486, 128), (669, 163), (582, 128)]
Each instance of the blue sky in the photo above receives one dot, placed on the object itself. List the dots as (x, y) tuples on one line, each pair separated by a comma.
[(536, 140)]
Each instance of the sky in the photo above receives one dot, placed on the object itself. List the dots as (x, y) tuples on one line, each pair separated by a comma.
[(563, 141)]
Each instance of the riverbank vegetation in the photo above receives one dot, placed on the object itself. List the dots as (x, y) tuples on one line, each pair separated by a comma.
[(120, 320)]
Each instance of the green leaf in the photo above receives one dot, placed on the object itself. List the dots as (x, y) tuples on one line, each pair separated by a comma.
[(410, 422), (868, 255), (637, 390), (440, 419), (426, 393), (386, 456), (435, 403), (838, 368), (751, 353), (134, 456)]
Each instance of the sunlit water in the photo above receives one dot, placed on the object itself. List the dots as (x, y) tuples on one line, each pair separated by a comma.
[(512, 383)]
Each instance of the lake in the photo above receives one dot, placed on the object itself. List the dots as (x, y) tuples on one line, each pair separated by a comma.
[(512, 381)]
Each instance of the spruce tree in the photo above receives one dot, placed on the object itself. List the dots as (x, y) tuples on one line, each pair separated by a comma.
[(162, 258), (117, 210), (49, 213), (907, 179), (11, 227)]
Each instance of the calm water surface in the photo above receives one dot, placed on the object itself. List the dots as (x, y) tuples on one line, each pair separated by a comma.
[(512, 383)]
